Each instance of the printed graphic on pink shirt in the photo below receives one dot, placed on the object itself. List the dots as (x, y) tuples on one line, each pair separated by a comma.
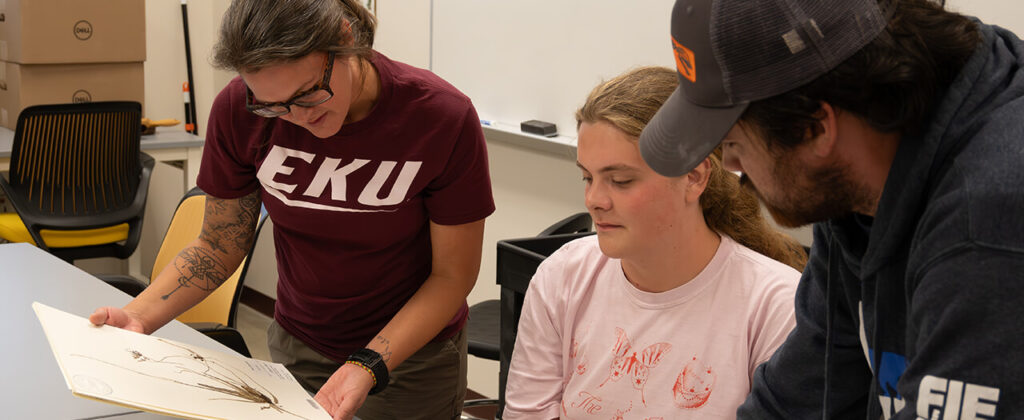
[(627, 362), (620, 413), (577, 354), (579, 358), (585, 402), (690, 391), (694, 385)]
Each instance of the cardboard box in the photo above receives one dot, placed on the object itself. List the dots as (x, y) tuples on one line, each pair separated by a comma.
[(23, 85), (72, 31)]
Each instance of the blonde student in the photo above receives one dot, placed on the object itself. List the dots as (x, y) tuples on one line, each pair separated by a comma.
[(375, 175), (666, 312)]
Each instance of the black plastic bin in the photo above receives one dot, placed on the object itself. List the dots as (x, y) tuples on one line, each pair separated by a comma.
[(517, 261)]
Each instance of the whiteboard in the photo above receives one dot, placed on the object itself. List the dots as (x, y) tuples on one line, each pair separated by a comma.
[(538, 59)]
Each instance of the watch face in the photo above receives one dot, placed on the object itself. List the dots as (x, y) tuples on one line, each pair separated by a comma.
[(367, 356)]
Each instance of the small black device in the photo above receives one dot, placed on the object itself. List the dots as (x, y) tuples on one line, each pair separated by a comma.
[(540, 128), (374, 364)]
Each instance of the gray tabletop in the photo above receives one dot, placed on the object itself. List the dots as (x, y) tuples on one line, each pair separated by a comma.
[(161, 140), (32, 384)]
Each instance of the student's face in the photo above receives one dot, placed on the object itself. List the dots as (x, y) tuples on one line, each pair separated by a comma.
[(795, 192), (281, 82), (633, 207)]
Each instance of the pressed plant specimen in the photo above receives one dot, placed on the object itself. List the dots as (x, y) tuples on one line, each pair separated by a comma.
[(194, 370)]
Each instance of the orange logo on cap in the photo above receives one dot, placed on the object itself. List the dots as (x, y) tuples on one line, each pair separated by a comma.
[(684, 61)]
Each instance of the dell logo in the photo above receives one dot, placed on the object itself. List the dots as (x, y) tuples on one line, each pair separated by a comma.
[(81, 97), (83, 30)]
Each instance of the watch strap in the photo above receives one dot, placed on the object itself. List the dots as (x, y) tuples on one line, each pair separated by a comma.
[(372, 363)]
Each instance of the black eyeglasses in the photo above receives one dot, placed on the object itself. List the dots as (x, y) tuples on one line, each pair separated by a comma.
[(316, 95)]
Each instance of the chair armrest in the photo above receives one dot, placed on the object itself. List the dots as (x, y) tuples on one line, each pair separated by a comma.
[(223, 334), (128, 284)]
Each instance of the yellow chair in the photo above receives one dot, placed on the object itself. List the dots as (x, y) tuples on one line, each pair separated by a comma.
[(77, 180), (216, 315)]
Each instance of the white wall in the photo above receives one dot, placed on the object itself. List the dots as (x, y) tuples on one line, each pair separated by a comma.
[(1006, 13), (165, 61), (403, 31)]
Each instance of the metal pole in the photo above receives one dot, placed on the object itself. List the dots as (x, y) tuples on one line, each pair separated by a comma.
[(188, 64)]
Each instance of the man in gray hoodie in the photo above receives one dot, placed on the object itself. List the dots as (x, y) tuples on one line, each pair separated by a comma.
[(898, 128)]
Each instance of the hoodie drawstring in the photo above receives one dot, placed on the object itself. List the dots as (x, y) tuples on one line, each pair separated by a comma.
[(876, 364), (831, 302)]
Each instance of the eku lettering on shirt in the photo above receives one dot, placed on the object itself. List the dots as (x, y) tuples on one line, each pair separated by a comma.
[(334, 174)]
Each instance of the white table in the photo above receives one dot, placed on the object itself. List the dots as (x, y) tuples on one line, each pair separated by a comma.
[(177, 148), (32, 384)]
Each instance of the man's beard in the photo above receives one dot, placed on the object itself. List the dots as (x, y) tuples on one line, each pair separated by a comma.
[(802, 199)]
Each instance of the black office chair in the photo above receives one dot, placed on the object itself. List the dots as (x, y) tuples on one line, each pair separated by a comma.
[(78, 180), (215, 316), (491, 328)]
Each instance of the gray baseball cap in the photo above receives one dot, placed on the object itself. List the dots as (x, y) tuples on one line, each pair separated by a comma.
[(731, 52)]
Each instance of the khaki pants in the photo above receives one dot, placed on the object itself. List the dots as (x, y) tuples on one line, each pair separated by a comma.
[(429, 385)]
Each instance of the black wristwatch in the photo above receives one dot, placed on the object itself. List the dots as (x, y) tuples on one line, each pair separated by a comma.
[(373, 364)]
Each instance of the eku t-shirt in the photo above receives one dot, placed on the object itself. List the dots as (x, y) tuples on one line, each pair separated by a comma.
[(592, 346), (351, 212)]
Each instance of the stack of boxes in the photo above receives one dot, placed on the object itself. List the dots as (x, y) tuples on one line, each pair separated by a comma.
[(64, 51)]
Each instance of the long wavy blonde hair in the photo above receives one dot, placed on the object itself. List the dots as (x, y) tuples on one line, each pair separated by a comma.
[(629, 101)]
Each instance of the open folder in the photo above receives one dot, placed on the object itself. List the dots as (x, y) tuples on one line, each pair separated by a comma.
[(168, 377)]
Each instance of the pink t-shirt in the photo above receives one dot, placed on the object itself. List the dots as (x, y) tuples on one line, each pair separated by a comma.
[(351, 211), (592, 346)]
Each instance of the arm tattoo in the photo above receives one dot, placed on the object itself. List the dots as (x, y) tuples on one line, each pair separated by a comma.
[(230, 224), (385, 354), (228, 229), (250, 206), (229, 236), (216, 207), (198, 268), (216, 243)]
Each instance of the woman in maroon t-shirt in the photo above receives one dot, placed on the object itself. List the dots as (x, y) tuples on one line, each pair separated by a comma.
[(375, 175)]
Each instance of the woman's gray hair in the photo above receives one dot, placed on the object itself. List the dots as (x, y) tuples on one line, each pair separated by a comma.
[(258, 33)]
